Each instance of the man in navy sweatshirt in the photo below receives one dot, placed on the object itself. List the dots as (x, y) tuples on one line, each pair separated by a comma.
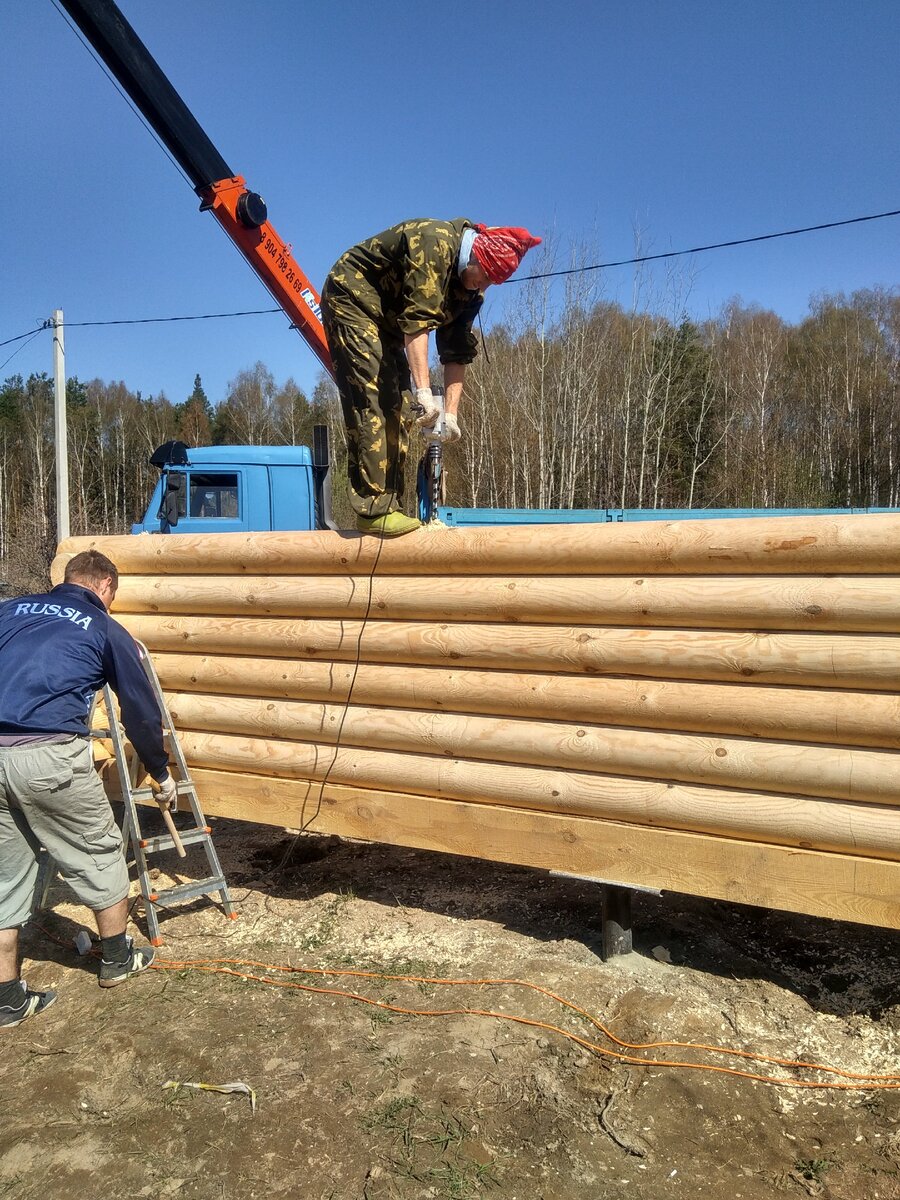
[(57, 650)]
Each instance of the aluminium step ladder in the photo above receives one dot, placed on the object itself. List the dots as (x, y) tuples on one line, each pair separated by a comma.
[(128, 768)]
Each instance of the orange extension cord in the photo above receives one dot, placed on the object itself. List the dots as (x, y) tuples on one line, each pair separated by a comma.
[(225, 966)]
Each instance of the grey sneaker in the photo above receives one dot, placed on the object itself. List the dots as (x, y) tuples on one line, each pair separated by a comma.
[(32, 1004), (139, 959)]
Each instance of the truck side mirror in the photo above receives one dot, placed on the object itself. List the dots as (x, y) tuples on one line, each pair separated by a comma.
[(173, 500)]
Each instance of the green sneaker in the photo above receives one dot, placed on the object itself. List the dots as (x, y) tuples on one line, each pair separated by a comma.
[(392, 524)]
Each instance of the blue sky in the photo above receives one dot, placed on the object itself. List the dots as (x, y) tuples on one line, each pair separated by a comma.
[(691, 121)]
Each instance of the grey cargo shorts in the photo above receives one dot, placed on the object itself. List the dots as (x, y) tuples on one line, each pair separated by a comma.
[(51, 796)]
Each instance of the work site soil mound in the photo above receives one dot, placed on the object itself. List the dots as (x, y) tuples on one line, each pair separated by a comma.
[(353, 1101)]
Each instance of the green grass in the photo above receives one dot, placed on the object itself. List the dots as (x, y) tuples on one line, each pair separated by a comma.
[(323, 930), (428, 1147), (813, 1168)]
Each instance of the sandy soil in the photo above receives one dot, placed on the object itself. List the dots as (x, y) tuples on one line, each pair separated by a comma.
[(360, 1103)]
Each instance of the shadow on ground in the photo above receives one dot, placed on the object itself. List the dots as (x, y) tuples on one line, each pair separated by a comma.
[(837, 968)]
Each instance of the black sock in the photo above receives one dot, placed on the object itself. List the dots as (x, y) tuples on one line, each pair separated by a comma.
[(11, 994), (115, 949)]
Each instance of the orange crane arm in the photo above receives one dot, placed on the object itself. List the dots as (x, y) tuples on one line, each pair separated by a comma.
[(237, 209), (241, 212)]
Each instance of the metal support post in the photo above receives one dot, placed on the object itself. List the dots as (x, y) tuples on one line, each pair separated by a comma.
[(615, 921)]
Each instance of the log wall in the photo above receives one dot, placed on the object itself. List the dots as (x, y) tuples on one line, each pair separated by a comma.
[(707, 707)]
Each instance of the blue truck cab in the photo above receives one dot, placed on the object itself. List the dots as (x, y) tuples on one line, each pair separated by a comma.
[(236, 489)]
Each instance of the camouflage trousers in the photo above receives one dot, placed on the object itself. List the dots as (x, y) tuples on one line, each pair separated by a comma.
[(373, 379)]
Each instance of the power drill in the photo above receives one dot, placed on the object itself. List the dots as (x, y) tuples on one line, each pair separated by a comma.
[(430, 473)]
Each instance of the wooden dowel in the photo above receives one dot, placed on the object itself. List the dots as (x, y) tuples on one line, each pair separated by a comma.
[(170, 825), (788, 820), (167, 820), (807, 544), (803, 659)]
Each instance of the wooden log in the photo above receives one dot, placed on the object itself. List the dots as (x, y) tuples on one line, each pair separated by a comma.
[(848, 604), (804, 659), (841, 887), (656, 603), (869, 830), (102, 752), (859, 775), (809, 544), (748, 710)]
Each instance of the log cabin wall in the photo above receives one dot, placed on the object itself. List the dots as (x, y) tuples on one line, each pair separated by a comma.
[(701, 706)]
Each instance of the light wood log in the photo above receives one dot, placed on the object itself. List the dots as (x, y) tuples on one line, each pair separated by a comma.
[(848, 604), (841, 887), (784, 820), (809, 544), (803, 659), (859, 775), (748, 710)]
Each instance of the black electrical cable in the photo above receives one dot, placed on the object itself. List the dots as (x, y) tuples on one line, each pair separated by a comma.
[(307, 821), (30, 333), (483, 340), (250, 312), (760, 237), (622, 262), (22, 347)]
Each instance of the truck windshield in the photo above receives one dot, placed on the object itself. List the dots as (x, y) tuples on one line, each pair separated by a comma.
[(213, 494)]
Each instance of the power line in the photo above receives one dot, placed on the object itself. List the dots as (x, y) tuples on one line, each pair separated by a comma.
[(251, 312), (31, 333), (34, 334), (19, 336), (255, 312), (761, 237)]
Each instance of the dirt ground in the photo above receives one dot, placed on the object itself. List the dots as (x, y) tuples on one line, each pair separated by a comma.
[(360, 1103)]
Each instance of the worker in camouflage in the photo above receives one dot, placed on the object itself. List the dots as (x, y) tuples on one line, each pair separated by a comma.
[(379, 303)]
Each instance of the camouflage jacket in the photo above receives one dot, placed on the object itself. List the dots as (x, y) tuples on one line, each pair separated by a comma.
[(405, 279)]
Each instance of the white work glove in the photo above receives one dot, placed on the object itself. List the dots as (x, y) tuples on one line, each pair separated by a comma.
[(452, 431), (167, 796), (426, 408)]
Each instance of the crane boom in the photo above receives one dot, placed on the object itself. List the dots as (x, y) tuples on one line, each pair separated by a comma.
[(241, 212)]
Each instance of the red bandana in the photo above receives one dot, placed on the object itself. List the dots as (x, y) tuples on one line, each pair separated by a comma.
[(500, 249)]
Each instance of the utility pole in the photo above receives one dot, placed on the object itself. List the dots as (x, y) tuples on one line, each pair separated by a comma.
[(61, 439)]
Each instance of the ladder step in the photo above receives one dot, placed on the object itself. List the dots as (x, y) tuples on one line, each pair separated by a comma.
[(182, 787), (163, 841), (188, 891), (199, 834)]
